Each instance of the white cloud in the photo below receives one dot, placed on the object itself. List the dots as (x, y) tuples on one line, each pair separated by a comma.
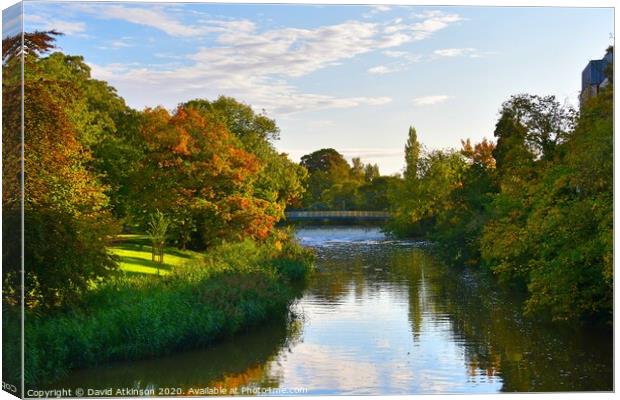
[(291, 52), (159, 86), (256, 65), (433, 23), (376, 9), (395, 54), (456, 52), (403, 60), (117, 44), (381, 8), (380, 70), (152, 16), (33, 21), (120, 43), (431, 100)]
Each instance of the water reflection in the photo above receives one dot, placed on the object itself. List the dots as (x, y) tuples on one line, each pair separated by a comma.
[(239, 361), (382, 317)]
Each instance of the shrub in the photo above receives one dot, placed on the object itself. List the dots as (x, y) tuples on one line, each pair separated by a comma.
[(125, 318)]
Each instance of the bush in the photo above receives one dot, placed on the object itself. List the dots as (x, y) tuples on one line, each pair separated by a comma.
[(133, 317)]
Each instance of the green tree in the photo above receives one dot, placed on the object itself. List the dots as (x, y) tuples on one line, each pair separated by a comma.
[(64, 202), (357, 169), (412, 155), (459, 227), (326, 160), (544, 122), (374, 195), (105, 125), (371, 172), (240, 119), (571, 275), (158, 233), (326, 168), (416, 204)]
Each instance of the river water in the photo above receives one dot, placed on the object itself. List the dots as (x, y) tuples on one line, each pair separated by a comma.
[(381, 316)]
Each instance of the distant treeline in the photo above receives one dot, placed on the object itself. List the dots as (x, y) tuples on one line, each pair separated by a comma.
[(334, 184)]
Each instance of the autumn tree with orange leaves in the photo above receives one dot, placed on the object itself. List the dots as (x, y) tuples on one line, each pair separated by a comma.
[(195, 171)]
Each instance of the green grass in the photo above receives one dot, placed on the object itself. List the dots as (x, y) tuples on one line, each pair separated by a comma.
[(135, 315), (134, 254)]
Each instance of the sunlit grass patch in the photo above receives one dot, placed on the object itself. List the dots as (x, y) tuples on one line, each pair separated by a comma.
[(136, 315), (134, 252)]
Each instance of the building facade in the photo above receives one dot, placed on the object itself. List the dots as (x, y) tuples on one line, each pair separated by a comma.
[(594, 77)]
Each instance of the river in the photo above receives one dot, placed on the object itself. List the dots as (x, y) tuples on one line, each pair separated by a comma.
[(381, 316)]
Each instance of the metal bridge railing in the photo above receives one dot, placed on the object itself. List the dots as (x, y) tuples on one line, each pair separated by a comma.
[(337, 214)]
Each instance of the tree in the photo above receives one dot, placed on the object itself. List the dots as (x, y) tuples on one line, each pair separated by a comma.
[(326, 160), (357, 169), (33, 45), (480, 154), (458, 229), (371, 172), (105, 126), (64, 202), (279, 180), (412, 155), (158, 231), (571, 275), (374, 194), (545, 123), (326, 168), (416, 204), (197, 173), (240, 119)]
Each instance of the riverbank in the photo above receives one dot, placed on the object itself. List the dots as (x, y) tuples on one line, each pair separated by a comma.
[(134, 316), (384, 316)]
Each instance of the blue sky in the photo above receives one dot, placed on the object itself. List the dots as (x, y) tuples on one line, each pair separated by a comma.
[(349, 77)]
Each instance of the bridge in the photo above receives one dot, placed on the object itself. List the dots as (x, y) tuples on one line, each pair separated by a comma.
[(337, 216)]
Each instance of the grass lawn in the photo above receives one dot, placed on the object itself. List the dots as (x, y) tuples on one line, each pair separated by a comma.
[(134, 252)]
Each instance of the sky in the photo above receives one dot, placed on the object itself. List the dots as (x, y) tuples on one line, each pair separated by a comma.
[(353, 78)]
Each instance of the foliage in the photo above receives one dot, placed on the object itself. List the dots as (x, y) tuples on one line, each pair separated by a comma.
[(459, 227), (31, 45), (64, 202), (334, 184), (416, 203), (279, 180), (195, 170), (536, 208), (412, 155), (158, 227), (546, 122), (131, 317), (158, 233)]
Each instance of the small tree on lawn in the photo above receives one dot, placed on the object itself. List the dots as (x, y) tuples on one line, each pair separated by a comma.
[(157, 230)]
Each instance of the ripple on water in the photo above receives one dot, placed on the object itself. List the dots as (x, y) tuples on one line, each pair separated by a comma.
[(380, 317)]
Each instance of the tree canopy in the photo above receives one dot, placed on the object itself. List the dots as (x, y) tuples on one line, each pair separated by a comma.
[(535, 208)]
